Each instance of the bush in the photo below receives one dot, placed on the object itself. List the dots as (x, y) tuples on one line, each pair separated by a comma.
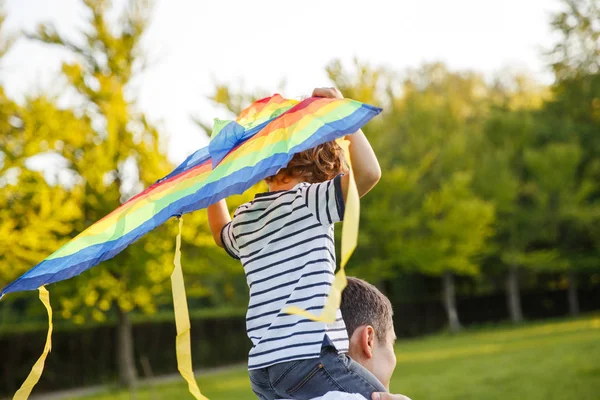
[(87, 355)]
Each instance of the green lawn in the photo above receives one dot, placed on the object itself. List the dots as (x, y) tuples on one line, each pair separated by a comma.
[(538, 361)]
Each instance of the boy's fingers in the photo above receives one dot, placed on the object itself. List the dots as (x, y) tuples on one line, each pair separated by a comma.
[(327, 92), (320, 92)]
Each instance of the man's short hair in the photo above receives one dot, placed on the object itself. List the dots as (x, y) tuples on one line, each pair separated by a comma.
[(363, 304)]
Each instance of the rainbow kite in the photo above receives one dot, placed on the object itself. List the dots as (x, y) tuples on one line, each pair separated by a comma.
[(256, 145), (262, 140)]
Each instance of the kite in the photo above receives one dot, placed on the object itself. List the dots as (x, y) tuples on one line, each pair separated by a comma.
[(262, 140)]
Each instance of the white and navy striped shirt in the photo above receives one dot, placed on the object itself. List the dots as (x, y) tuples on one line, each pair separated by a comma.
[(285, 243)]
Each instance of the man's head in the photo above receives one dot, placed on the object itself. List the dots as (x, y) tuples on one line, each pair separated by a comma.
[(368, 314), (319, 164)]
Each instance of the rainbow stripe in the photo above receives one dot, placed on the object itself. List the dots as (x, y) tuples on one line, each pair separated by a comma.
[(262, 140)]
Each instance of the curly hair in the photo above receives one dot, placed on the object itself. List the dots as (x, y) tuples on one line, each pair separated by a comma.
[(319, 164)]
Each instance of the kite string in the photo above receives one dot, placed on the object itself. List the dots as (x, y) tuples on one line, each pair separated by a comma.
[(182, 322), (349, 240), (36, 372)]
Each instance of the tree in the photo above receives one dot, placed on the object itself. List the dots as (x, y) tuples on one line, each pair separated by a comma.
[(455, 225), (502, 178), (553, 169), (35, 216), (573, 117), (116, 156), (424, 205), (577, 52)]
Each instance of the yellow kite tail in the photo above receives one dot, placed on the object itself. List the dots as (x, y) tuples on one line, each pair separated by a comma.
[(349, 240), (36, 372), (182, 322)]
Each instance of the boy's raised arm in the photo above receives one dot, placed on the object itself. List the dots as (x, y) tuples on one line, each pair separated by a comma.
[(364, 162), (218, 217)]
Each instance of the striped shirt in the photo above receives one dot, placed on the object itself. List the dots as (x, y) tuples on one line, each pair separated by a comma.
[(285, 242)]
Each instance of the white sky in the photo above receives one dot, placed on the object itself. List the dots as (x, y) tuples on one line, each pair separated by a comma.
[(260, 42)]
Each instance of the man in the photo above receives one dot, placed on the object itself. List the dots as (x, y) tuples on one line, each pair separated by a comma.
[(368, 315)]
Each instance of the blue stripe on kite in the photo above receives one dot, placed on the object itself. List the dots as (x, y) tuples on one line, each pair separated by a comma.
[(50, 271)]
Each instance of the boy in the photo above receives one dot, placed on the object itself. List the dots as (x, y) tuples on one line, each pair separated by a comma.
[(284, 239)]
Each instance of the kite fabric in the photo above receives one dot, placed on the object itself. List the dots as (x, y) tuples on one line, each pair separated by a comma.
[(262, 140)]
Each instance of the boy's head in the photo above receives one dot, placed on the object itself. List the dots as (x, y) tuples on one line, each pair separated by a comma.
[(368, 315), (319, 164)]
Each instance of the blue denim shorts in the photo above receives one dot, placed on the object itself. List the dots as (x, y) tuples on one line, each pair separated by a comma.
[(306, 379)]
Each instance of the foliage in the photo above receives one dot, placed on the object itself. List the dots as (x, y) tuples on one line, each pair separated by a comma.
[(577, 53), (424, 205), (113, 155), (476, 173), (35, 217), (112, 152)]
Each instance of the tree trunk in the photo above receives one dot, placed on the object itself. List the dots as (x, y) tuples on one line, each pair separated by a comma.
[(572, 294), (513, 295), (125, 354), (450, 302)]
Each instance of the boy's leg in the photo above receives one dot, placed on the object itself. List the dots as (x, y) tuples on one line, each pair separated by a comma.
[(360, 377), (306, 379), (259, 380)]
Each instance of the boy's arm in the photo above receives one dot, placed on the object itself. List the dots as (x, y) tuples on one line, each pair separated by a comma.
[(218, 217), (364, 162)]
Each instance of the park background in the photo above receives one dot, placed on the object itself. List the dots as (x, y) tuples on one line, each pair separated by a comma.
[(484, 231)]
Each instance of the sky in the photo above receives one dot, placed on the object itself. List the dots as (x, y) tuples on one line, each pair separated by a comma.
[(195, 43)]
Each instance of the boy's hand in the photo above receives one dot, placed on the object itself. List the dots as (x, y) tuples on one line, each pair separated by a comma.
[(331, 93), (364, 162)]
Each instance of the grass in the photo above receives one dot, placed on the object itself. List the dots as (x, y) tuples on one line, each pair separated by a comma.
[(538, 361)]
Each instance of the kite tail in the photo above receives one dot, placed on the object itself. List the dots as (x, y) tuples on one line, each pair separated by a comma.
[(36, 372), (182, 322), (349, 240)]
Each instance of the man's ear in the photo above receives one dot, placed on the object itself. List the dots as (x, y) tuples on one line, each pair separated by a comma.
[(367, 340)]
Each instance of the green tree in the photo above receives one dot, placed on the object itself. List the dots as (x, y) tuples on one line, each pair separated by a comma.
[(573, 119), (454, 226), (502, 178), (553, 170), (424, 205), (35, 216), (116, 156), (577, 52)]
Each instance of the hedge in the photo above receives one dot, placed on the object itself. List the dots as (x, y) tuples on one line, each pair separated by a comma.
[(87, 355)]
